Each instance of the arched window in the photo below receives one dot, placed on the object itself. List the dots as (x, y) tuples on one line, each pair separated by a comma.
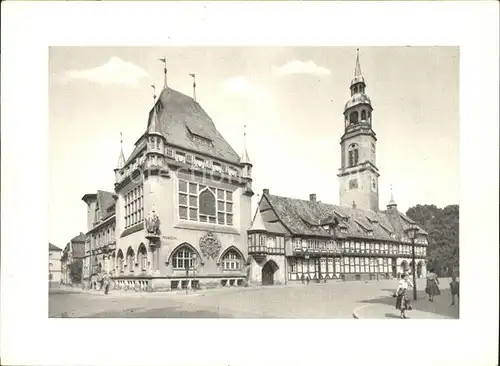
[(232, 260), (143, 257), (183, 258), (120, 261), (363, 115), (353, 155), (207, 203), (355, 89), (353, 117), (130, 259)]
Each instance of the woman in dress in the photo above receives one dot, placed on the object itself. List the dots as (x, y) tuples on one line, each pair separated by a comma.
[(402, 300), (432, 288)]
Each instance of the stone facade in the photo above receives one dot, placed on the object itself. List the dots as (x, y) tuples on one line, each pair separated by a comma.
[(181, 207)]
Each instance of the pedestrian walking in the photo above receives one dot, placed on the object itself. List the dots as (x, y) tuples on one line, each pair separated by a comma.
[(403, 302), (455, 289), (432, 288), (106, 285)]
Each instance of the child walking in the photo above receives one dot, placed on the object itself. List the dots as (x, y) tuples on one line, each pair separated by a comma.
[(455, 289)]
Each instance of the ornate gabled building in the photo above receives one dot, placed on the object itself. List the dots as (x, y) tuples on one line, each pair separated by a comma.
[(292, 239), (100, 239), (181, 206)]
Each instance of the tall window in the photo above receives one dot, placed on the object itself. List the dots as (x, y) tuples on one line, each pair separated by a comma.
[(120, 261), (363, 115), (143, 257), (231, 261), (201, 203), (130, 259), (183, 258), (134, 206), (353, 155)]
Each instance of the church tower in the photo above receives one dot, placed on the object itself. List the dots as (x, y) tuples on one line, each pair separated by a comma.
[(358, 175)]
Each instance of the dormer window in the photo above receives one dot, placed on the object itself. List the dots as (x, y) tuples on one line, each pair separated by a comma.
[(199, 162), (180, 157), (217, 167)]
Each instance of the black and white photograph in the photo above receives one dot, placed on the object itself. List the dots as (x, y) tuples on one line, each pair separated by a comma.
[(254, 182), (249, 183)]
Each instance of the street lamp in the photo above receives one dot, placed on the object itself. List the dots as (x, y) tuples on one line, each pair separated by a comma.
[(412, 232)]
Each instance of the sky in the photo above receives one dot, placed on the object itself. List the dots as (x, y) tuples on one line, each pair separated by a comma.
[(291, 99)]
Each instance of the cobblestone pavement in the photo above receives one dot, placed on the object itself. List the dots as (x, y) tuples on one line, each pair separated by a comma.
[(330, 300)]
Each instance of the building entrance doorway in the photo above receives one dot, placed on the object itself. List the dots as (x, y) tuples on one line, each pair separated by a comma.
[(268, 271)]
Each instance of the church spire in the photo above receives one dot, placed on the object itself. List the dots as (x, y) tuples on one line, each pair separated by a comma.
[(357, 82), (245, 159), (392, 203), (357, 70), (121, 157)]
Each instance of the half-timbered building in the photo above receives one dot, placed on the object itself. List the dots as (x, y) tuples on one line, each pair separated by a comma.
[(296, 240)]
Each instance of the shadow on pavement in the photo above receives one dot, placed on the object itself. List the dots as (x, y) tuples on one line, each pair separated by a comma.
[(441, 304), (392, 316)]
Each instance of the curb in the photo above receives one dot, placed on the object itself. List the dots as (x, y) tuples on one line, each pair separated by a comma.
[(355, 313)]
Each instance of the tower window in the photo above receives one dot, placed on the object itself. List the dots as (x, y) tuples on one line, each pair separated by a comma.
[(354, 117), (353, 155), (353, 184), (363, 115)]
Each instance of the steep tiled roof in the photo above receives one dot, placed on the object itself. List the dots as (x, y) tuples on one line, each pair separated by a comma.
[(303, 217), (79, 237), (78, 250), (52, 247), (180, 117), (106, 201), (259, 224)]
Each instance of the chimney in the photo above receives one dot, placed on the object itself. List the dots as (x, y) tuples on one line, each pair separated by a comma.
[(265, 191), (312, 197), (354, 204)]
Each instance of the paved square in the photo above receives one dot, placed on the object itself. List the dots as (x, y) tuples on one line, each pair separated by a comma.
[(330, 300)]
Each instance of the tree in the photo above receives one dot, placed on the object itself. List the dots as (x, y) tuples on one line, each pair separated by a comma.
[(75, 271), (443, 228)]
